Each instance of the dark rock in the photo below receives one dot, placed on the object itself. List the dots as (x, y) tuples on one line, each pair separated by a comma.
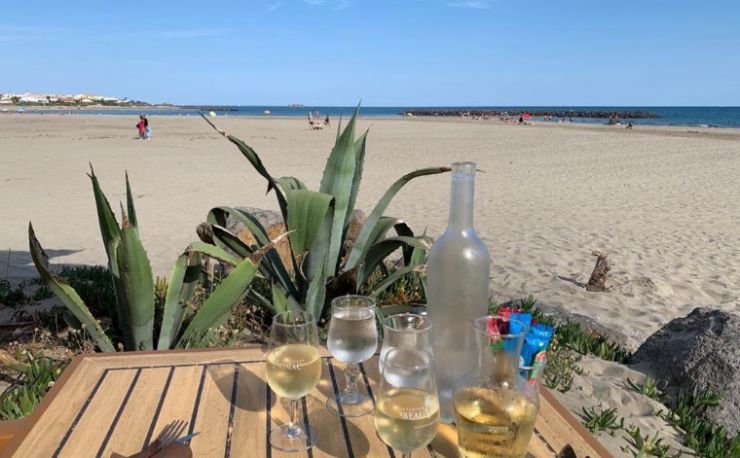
[(700, 350), (588, 324)]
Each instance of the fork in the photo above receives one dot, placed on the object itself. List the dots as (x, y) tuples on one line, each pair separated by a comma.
[(170, 433)]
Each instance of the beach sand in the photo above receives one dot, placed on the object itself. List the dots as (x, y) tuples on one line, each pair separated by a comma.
[(663, 202)]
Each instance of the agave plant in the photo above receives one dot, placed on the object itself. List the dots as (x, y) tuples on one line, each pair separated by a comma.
[(134, 311), (324, 263)]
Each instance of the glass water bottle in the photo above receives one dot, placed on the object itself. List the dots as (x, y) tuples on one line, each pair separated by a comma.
[(458, 277)]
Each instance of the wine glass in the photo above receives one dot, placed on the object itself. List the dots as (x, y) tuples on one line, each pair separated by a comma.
[(407, 412), (405, 330), (293, 370), (353, 338)]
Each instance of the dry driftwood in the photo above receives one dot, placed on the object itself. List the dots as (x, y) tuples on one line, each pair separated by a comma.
[(597, 282)]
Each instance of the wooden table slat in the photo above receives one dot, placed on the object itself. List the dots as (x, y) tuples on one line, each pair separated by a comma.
[(106, 403)]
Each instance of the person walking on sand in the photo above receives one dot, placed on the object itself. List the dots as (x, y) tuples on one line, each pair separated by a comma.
[(141, 126), (148, 130), (326, 121)]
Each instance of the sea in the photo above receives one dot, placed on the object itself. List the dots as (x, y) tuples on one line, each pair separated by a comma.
[(670, 116)]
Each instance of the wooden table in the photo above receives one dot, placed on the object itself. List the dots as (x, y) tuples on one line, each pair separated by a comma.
[(118, 402)]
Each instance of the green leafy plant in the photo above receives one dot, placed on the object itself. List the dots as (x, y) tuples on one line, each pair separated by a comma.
[(134, 289), (324, 262), (649, 388), (601, 420), (36, 377), (571, 334), (562, 363), (646, 446), (688, 413)]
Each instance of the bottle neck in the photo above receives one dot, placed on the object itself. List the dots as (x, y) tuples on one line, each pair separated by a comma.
[(461, 202)]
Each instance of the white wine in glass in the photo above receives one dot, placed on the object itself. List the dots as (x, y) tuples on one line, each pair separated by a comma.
[(293, 370), (407, 412), (353, 338)]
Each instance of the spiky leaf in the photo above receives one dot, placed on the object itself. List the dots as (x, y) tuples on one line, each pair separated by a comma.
[(338, 180), (381, 250), (137, 288), (130, 205), (361, 244), (182, 279), (66, 294), (317, 273), (391, 279), (290, 183), (306, 214), (217, 308)]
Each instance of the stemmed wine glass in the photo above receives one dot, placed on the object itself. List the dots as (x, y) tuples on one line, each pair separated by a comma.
[(405, 330), (293, 370), (353, 338), (407, 413)]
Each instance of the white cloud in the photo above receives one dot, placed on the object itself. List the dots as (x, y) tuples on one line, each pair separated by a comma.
[(471, 4), (273, 6)]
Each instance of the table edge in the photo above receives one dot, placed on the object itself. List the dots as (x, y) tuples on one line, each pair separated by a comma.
[(574, 423), (24, 426)]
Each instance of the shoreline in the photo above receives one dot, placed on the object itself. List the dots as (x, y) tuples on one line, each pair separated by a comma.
[(231, 112)]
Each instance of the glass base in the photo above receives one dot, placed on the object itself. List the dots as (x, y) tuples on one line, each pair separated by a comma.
[(292, 439), (350, 406)]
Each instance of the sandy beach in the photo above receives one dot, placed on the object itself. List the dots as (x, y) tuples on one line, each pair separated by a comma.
[(663, 202)]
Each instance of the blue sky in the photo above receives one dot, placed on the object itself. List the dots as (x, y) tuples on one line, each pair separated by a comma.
[(385, 52)]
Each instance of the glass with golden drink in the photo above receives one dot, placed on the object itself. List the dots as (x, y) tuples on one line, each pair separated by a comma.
[(495, 409)]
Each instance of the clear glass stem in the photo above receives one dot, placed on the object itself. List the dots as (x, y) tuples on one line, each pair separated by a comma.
[(351, 375), (294, 430)]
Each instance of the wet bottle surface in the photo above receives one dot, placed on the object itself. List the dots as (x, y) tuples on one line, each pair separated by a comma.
[(458, 274)]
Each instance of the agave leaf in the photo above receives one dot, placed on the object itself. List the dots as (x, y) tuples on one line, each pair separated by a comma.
[(109, 228), (179, 288), (317, 274), (220, 215), (359, 165), (217, 308), (260, 300), (419, 258), (279, 298), (381, 250), (66, 294), (290, 184), (404, 230), (256, 162), (391, 279), (226, 239), (273, 263), (361, 244), (337, 181), (306, 213), (137, 288), (212, 251), (111, 233), (130, 205)]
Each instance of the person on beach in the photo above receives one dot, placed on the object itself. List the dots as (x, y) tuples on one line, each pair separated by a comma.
[(148, 130), (326, 121), (141, 126)]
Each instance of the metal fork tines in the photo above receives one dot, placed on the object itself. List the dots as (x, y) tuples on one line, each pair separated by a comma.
[(170, 433)]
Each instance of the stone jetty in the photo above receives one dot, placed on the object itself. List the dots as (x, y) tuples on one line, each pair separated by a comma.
[(602, 114)]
